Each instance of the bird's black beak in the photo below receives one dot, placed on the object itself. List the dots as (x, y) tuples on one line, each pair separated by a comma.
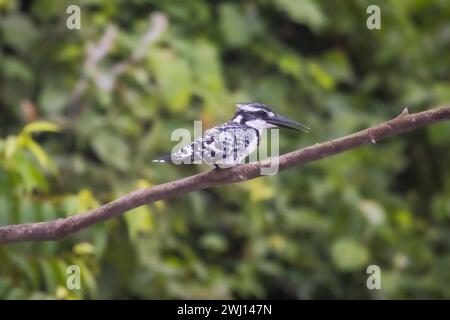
[(285, 122)]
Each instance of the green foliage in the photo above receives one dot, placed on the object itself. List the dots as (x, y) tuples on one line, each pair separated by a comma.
[(36, 271), (309, 232), (349, 255)]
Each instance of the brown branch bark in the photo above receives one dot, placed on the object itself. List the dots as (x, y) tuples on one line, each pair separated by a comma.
[(60, 228)]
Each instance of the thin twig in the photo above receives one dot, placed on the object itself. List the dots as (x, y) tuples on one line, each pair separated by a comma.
[(157, 25), (60, 228), (95, 53)]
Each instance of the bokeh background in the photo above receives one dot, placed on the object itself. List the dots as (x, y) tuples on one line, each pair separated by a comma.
[(83, 113)]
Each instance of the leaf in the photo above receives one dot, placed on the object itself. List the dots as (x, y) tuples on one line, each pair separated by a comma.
[(139, 221), (277, 242), (439, 133), (321, 76), (373, 211), (32, 177), (19, 32), (86, 200), (259, 189), (404, 219), (207, 72), (40, 126), (303, 11), (49, 275), (174, 78), (87, 276), (214, 242), (39, 153), (49, 212), (83, 248), (111, 149), (290, 64), (307, 220), (337, 65), (349, 255), (6, 207), (442, 92), (440, 205), (238, 24), (10, 146), (53, 99), (16, 69), (27, 211), (28, 269)]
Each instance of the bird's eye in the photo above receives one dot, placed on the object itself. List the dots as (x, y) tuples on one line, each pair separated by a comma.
[(261, 113)]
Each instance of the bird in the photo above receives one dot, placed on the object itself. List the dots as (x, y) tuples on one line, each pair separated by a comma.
[(227, 144)]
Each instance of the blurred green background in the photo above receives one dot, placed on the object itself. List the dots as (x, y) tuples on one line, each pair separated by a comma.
[(76, 134)]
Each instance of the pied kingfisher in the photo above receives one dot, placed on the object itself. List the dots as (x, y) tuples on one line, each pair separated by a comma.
[(227, 144)]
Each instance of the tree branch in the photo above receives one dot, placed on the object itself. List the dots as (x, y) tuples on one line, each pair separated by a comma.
[(60, 228)]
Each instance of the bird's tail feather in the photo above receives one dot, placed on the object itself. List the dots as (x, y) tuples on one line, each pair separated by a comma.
[(163, 159)]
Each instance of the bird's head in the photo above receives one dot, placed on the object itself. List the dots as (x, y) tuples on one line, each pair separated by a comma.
[(260, 116)]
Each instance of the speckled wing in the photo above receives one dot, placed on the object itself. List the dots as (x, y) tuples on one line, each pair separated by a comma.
[(228, 144), (224, 145)]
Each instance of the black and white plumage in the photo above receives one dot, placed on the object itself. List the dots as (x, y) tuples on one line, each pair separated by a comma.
[(226, 145)]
